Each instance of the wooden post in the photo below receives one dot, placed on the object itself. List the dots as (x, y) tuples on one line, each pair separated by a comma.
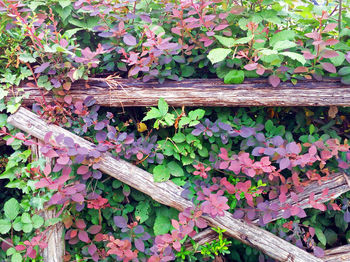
[(167, 193), (54, 237), (338, 254)]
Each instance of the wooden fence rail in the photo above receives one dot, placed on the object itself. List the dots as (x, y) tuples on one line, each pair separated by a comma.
[(337, 185), (204, 92), (168, 193)]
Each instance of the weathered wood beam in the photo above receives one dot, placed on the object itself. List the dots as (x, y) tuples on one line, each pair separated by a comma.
[(54, 252), (336, 184), (168, 193), (205, 92), (338, 254)]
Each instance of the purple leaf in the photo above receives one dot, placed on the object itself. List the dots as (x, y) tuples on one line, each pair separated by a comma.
[(83, 236), (63, 160), (238, 214), (139, 245), (41, 68), (329, 67), (92, 249), (285, 162), (78, 198), (94, 229), (101, 136), (246, 132), (120, 221), (82, 170), (318, 252), (100, 125), (129, 40), (347, 216), (139, 229), (274, 80)]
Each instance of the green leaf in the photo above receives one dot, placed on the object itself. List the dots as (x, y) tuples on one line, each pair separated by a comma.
[(321, 237), (27, 228), (11, 208), (64, 3), (344, 71), (161, 225), (234, 77), (3, 93), (161, 174), (187, 71), (218, 54), (300, 58), (179, 138), (338, 60), (175, 169), (38, 221), (52, 221), (69, 33), (142, 211), (34, 4), (225, 41), (346, 80), (283, 35), (5, 226), (27, 58), (284, 44), (154, 113), (243, 40), (331, 236), (16, 257), (17, 224), (163, 106), (269, 125), (196, 114), (26, 218)]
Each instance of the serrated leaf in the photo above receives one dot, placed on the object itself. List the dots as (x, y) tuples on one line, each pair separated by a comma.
[(154, 113), (26, 218), (5, 226), (300, 58), (161, 225), (163, 106), (11, 208), (218, 54), (64, 3), (243, 40), (175, 169), (38, 221), (27, 228), (27, 58), (16, 257)]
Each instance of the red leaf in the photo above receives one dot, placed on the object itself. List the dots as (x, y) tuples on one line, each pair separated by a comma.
[(129, 40), (330, 54), (80, 224), (79, 198), (20, 247), (94, 229), (82, 170), (10, 141), (92, 249), (329, 67), (300, 69), (251, 67), (63, 160), (83, 236), (308, 55), (274, 80), (47, 169), (331, 41), (330, 27), (47, 137), (314, 35)]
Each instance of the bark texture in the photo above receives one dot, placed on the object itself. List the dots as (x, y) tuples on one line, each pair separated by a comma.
[(204, 92), (168, 193), (54, 237), (338, 254)]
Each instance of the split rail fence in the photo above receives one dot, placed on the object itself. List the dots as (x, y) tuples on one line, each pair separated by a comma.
[(114, 92)]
